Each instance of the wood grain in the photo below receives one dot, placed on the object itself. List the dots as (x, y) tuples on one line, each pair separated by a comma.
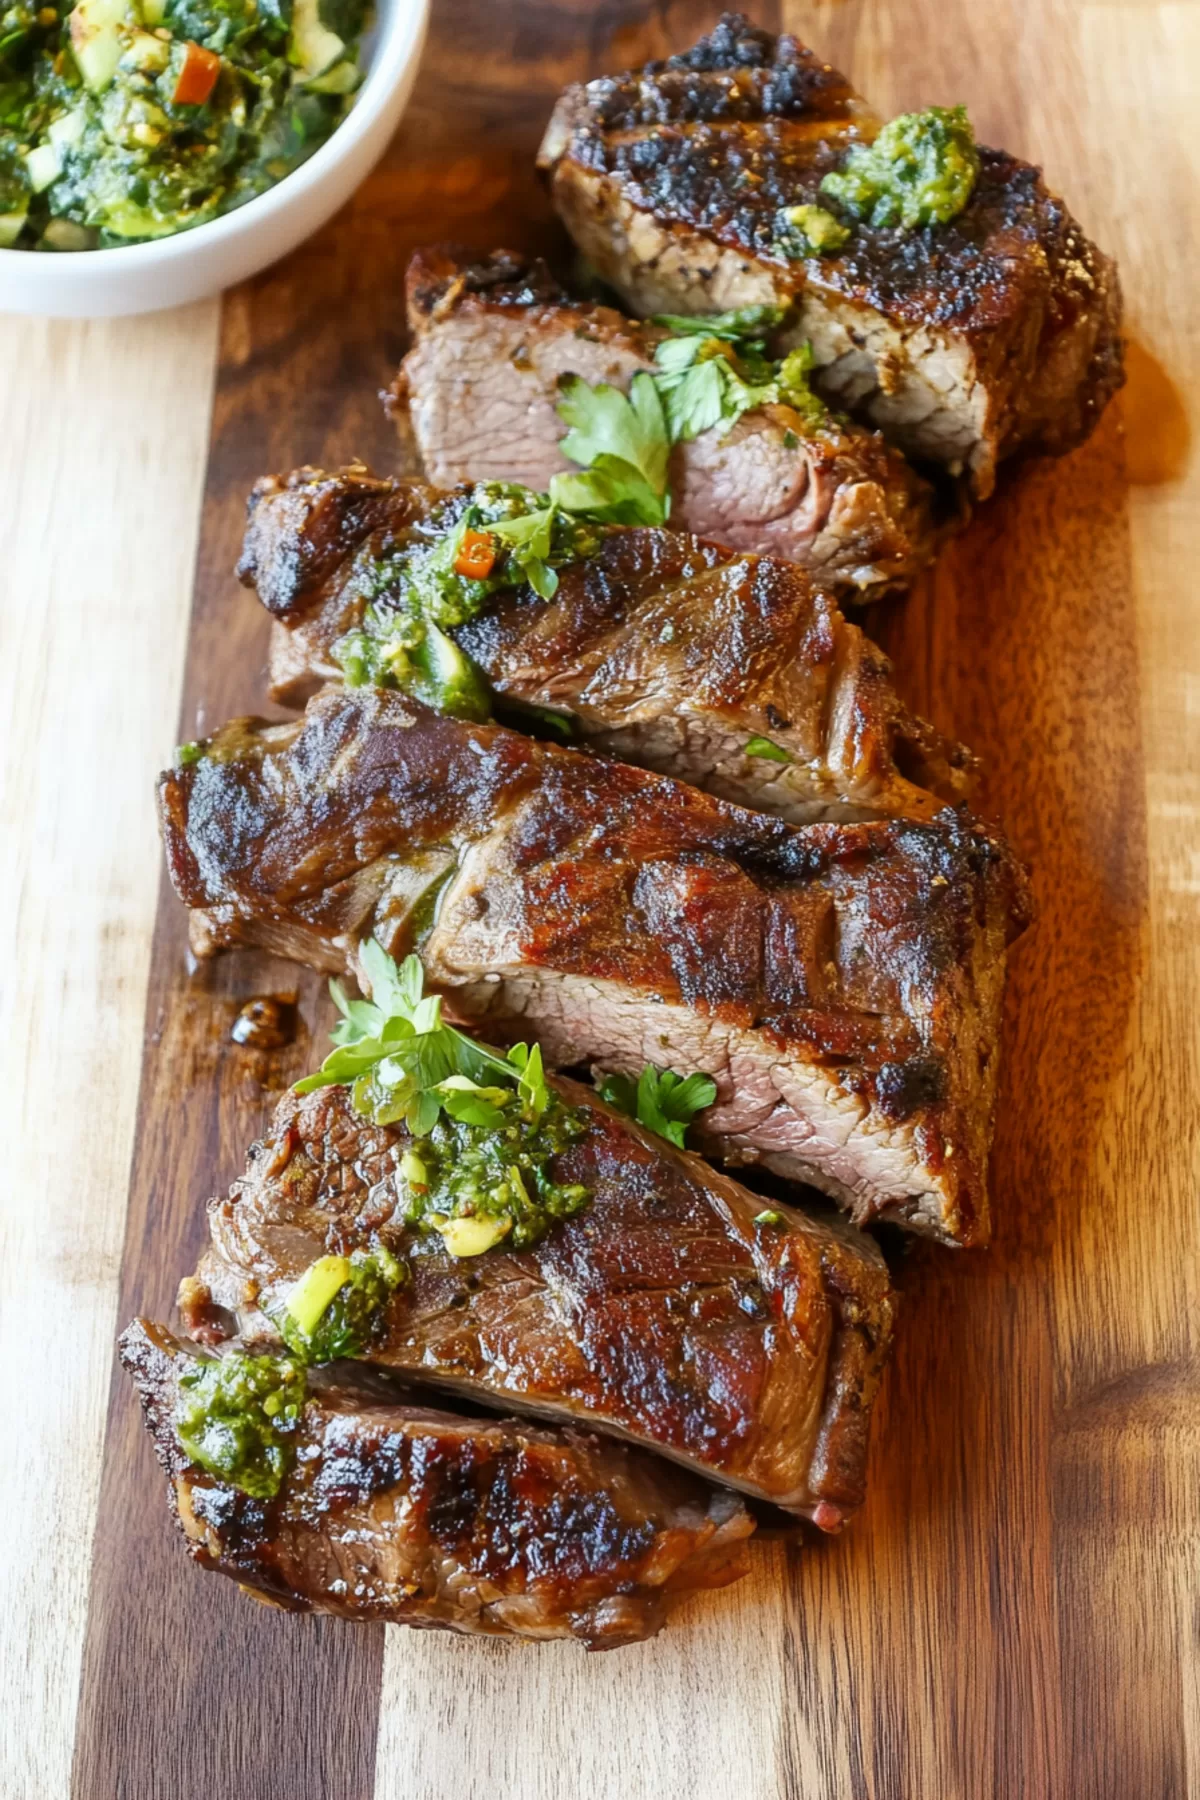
[(1016, 1613), (100, 509)]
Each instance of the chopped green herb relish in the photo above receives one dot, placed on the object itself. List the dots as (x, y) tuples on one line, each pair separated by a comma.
[(417, 594), (235, 1416), (821, 233), (920, 170), (337, 1307), (126, 120), (493, 1177)]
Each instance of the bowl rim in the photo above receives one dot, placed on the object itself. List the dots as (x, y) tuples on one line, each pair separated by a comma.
[(400, 26)]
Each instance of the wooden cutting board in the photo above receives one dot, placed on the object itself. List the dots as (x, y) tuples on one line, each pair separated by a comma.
[(1015, 1614)]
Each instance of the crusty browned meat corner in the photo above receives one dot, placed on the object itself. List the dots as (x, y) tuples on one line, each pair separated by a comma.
[(394, 1511), (493, 339), (842, 983), (664, 1312), (665, 650), (963, 342)]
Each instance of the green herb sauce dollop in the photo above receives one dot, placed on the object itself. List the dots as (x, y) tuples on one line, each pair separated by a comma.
[(236, 1416), (462, 1171), (920, 170)]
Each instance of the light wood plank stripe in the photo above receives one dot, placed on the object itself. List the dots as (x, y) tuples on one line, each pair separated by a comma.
[(697, 1711), (101, 466)]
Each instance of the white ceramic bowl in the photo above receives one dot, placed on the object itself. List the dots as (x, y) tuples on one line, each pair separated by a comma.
[(94, 284)]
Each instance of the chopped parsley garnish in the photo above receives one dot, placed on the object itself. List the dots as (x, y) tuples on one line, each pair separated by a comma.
[(485, 1124), (660, 1099), (235, 1416), (712, 370), (821, 233), (920, 170), (621, 442)]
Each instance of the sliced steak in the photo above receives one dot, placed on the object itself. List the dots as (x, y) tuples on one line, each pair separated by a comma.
[(963, 341), (666, 650), (842, 983), (394, 1511), (663, 1312), (493, 341)]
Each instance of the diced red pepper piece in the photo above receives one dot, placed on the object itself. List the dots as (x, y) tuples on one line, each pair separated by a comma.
[(198, 75), (476, 555)]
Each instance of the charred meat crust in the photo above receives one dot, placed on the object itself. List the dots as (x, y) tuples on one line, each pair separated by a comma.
[(666, 649), (398, 1512), (867, 959), (494, 340), (712, 146), (663, 1313)]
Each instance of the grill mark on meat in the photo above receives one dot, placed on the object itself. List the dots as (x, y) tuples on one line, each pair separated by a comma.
[(665, 649), (492, 342), (662, 1313), (607, 909), (963, 342), (395, 1511)]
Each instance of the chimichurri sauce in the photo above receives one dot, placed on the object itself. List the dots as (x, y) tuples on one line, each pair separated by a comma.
[(236, 1417), (504, 536), (126, 120)]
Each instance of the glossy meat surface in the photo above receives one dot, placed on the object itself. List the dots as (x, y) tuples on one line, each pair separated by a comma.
[(665, 649), (494, 338), (842, 983), (663, 1312), (397, 1512), (963, 342)]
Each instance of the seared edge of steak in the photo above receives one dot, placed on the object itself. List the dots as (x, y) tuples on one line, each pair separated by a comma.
[(493, 340), (665, 649), (842, 983), (963, 342), (668, 1312), (398, 1512)]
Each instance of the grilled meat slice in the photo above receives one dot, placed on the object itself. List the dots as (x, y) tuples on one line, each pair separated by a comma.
[(493, 340), (663, 1312), (963, 342), (842, 983), (485, 1526), (668, 651)]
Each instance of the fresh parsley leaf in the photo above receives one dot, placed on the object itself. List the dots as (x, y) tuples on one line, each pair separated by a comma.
[(620, 1091), (660, 1100), (403, 1062), (698, 398), (710, 379), (528, 541), (761, 746), (532, 1091), (622, 443), (746, 323)]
